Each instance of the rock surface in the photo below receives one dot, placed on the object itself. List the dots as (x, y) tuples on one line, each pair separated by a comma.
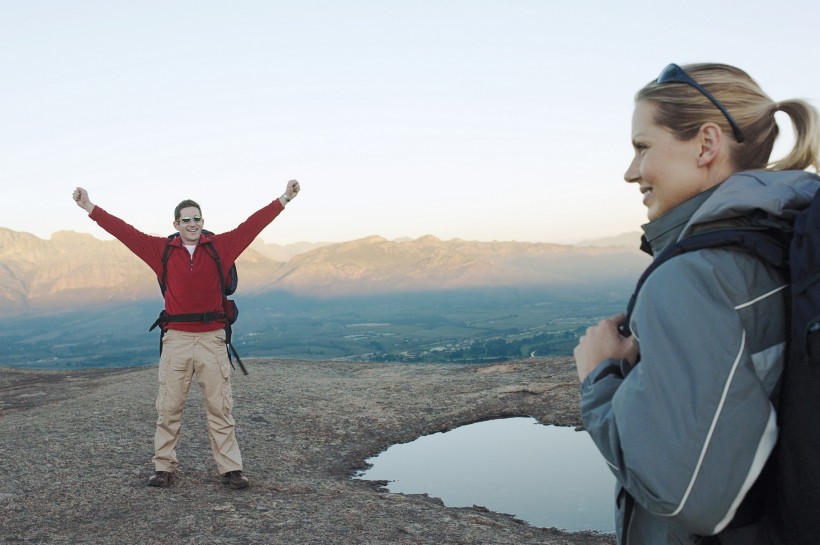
[(76, 449)]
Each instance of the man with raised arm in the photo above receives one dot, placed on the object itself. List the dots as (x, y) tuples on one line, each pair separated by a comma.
[(196, 347)]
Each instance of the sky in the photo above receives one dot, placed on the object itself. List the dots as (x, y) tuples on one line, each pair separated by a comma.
[(470, 119)]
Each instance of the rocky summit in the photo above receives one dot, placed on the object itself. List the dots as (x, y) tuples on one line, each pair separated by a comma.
[(77, 447)]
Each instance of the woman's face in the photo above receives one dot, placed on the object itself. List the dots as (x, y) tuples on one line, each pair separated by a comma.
[(665, 168)]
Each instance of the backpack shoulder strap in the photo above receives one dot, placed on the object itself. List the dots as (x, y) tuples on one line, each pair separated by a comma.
[(770, 245), (165, 255), (209, 247)]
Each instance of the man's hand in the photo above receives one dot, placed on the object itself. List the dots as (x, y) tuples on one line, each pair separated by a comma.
[(81, 198), (601, 342), (291, 190)]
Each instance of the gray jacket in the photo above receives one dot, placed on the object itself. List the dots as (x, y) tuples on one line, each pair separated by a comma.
[(689, 429)]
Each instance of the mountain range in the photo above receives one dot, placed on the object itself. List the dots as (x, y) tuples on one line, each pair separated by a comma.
[(74, 270)]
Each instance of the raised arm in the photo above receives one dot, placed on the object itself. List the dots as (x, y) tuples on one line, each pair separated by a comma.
[(81, 198)]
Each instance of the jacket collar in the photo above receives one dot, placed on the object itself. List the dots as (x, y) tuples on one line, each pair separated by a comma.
[(665, 230), (177, 240), (753, 198)]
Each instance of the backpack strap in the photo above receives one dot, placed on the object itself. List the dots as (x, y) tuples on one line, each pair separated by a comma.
[(209, 247), (228, 329), (165, 255), (771, 245), (204, 317), (163, 317)]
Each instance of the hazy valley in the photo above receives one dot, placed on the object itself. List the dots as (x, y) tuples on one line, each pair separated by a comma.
[(75, 301)]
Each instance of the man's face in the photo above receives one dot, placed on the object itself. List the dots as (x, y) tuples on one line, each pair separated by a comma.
[(189, 231)]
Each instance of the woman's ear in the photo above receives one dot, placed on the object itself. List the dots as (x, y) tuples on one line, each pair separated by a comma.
[(710, 139)]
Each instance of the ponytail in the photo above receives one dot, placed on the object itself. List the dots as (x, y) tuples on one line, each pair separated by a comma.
[(806, 150)]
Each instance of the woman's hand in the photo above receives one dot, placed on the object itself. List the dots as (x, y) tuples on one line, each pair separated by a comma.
[(604, 341)]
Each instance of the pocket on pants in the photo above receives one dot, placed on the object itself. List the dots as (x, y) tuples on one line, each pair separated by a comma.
[(169, 335), (227, 391), (225, 369), (165, 355)]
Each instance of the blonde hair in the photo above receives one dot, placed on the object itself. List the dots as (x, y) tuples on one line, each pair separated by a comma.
[(683, 109)]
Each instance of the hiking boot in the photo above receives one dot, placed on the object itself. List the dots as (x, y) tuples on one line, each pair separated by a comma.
[(235, 479), (162, 479)]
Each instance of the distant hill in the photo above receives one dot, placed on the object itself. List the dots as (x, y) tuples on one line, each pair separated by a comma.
[(375, 265), (284, 252), (631, 240), (74, 270), (68, 269)]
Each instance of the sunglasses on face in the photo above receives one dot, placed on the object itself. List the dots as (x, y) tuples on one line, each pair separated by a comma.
[(675, 74), (187, 219)]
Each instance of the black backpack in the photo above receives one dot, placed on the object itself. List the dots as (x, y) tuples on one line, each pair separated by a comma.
[(788, 492), (230, 312)]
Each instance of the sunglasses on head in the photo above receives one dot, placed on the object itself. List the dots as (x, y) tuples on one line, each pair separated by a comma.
[(187, 219), (675, 74)]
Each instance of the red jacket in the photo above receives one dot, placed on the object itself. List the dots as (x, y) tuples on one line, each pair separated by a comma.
[(192, 282)]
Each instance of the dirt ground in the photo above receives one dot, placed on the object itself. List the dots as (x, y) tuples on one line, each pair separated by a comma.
[(76, 449)]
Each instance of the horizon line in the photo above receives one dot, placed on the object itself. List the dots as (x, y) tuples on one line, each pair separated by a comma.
[(403, 238)]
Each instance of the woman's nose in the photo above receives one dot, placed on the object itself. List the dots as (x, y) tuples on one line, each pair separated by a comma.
[(633, 173)]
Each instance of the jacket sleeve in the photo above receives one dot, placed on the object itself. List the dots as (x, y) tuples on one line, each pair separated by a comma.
[(234, 242), (687, 431), (149, 248)]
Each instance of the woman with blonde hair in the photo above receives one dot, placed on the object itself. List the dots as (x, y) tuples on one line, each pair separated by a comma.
[(681, 410)]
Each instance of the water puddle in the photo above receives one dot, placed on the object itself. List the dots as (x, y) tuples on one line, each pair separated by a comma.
[(549, 476)]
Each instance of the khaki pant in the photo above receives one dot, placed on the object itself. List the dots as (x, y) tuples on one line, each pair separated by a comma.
[(184, 355)]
